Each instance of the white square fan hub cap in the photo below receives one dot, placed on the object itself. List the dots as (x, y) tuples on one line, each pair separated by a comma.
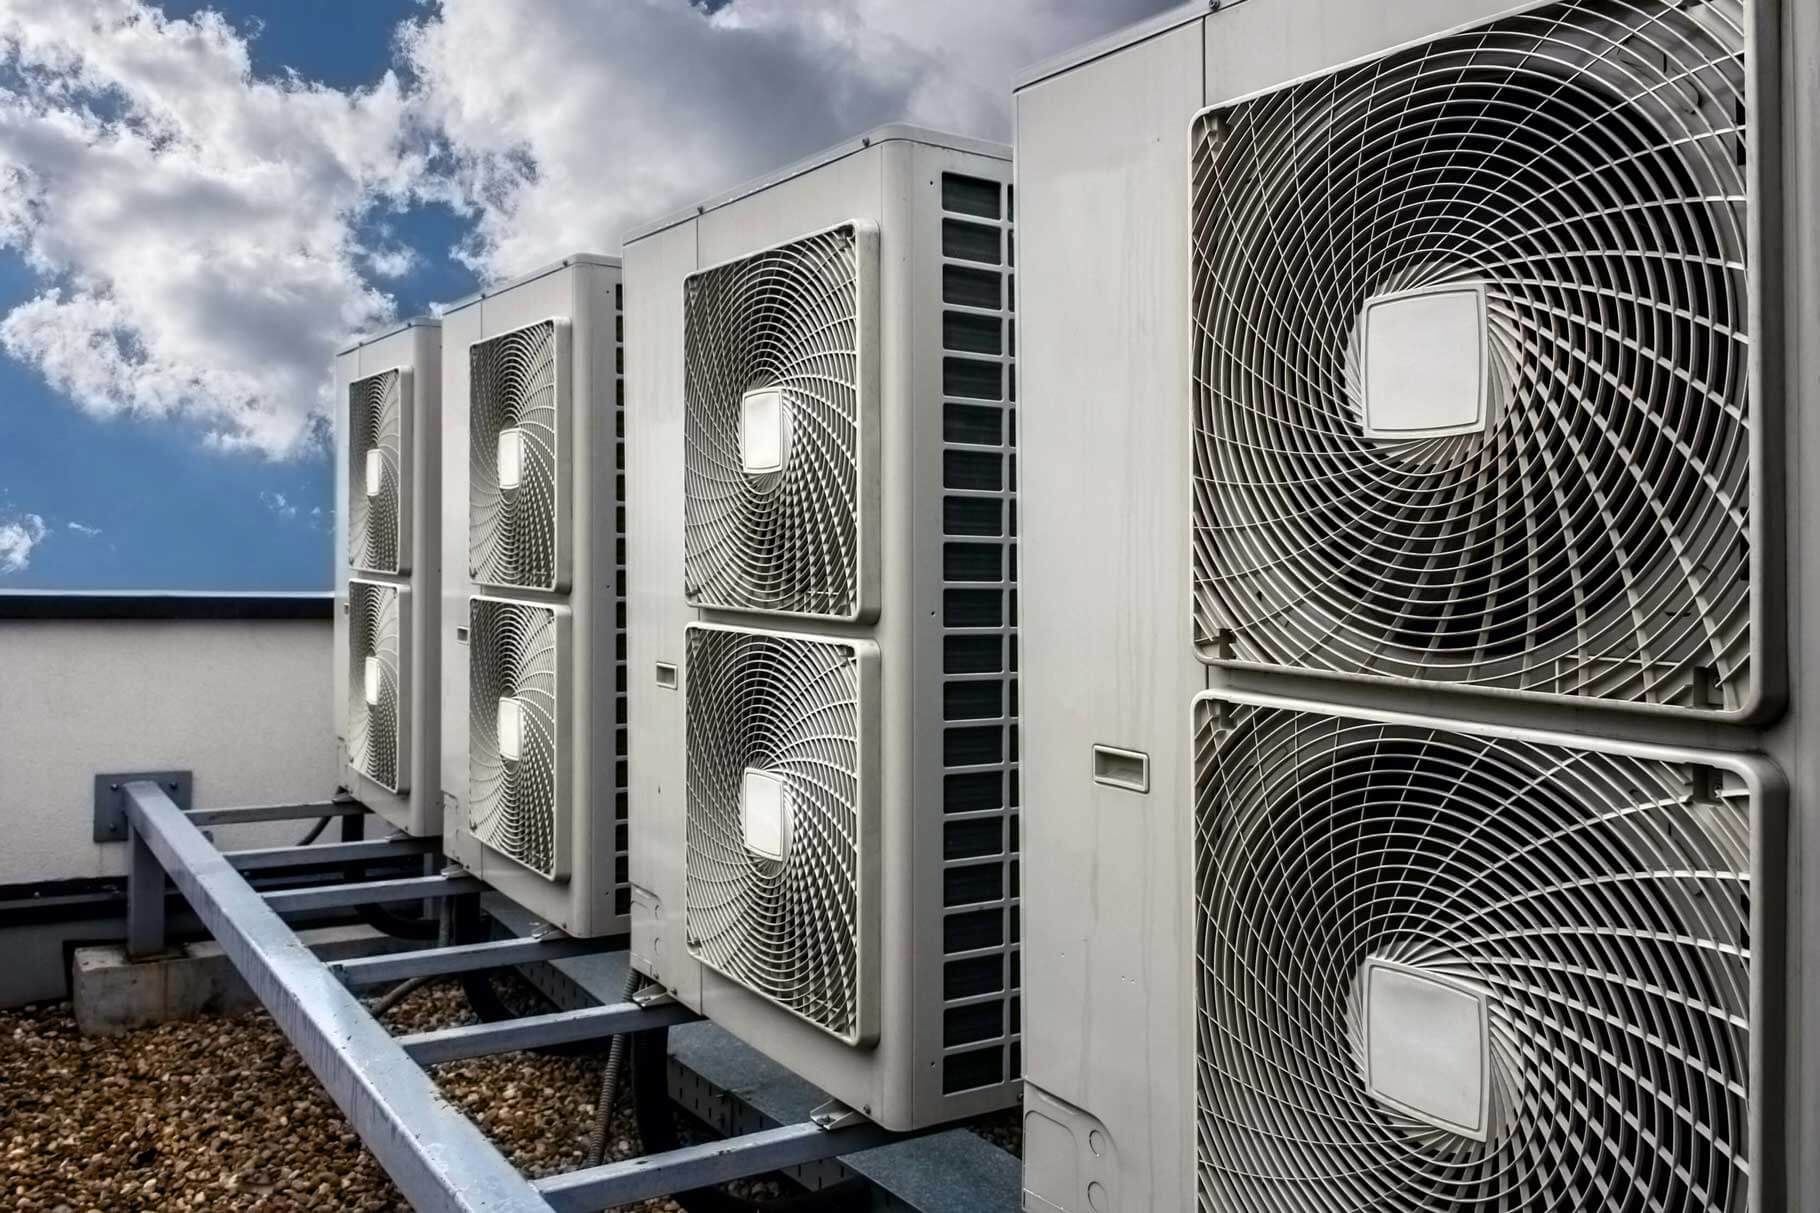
[(375, 473), (1428, 1048), (510, 457), (764, 813), (763, 437), (511, 717), (373, 679), (1427, 367)]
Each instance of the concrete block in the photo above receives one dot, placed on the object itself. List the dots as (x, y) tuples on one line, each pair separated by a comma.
[(113, 994)]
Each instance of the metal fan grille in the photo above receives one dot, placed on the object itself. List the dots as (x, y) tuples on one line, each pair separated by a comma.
[(1583, 164), (787, 928), (375, 520), (515, 806), (514, 384), (1599, 904), (377, 738), (785, 541)]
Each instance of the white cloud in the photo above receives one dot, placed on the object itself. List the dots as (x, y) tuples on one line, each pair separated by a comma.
[(278, 504), (87, 532), (566, 129), (18, 537), (205, 237), (194, 226)]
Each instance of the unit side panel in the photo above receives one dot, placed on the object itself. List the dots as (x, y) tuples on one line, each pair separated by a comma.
[(961, 955), (1107, 657), (1252, 47), (1791, 741), (657, 613), (460, 329)]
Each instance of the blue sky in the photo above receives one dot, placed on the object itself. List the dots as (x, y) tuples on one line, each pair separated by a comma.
[(170, 513), (200, 202)]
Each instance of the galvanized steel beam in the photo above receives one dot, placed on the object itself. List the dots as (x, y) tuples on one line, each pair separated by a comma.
[(249, 814), (266, 859), (371, 893), (461, 958), (540, 1031)]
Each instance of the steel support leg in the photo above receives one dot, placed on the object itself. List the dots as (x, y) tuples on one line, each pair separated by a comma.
[(144, 899)]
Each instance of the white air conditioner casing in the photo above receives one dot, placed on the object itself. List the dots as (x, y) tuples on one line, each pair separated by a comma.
[(821, 555), (388, 391), (534, 745), (1292, 445)]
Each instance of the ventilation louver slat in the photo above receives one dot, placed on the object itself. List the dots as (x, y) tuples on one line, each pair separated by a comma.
[(1444, 970), (777, 422), (778, 821), (1472, 383)]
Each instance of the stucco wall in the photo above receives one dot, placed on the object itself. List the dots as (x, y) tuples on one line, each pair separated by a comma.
[(243, 704)]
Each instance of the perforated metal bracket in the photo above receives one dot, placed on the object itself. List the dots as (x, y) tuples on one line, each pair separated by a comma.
[(110, 800)]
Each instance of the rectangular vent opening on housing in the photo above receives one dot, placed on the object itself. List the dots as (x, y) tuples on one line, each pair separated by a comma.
[(964, 241), (972, 654), (971, 977), (973, 424), (973, 791)]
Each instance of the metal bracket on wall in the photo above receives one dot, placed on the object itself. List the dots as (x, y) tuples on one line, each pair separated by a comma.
[(110, 798)]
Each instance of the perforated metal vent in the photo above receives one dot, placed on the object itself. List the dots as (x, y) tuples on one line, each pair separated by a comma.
[(779, 823), (518, 458), (1438, 970), (518, 696), (379, 473), (778, 408), (1472, 380), (379, 682)]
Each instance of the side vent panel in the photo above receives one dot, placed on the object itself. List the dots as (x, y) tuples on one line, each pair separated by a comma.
[(1440, 970), (379, 473), (781, 860), (980, 1013), (778, 414), (1472, 363), (518, 458), (518, 735), (379, 681)]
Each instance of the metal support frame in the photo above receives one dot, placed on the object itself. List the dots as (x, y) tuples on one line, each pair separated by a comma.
[(266, 859), (440, 1161), (465, 958)]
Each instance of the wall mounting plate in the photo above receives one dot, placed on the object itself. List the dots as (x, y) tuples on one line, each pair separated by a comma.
[(110, 803)]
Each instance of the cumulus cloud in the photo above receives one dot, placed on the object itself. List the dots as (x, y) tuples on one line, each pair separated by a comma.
[(206, 237), (193, 225), (87, 532), (564, 130), (18, 537), (278, 503)]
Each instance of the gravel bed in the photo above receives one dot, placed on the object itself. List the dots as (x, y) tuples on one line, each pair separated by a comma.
[(219, 1113)]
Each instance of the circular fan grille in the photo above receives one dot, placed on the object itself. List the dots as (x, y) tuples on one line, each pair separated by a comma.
[(1582, 166), (375, 423), (512, 531), (787, 540), (375, 739), (788, 928), (514, 652), (1597, 904)]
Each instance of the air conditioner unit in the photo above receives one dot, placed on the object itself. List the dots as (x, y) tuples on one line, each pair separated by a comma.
[(1424, 359), (534, 743), (387, 431), (823, 628)]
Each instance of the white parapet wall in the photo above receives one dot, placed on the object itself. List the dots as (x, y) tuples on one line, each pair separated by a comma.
[(242, 702)]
